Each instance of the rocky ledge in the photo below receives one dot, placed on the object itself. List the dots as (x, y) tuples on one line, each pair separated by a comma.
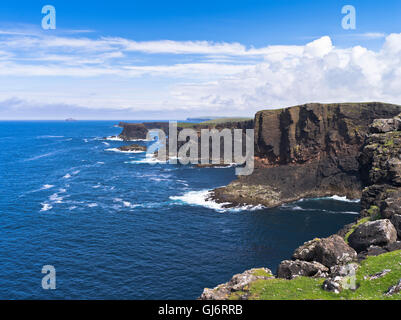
[(134, 131), (133, 148), (337, 259)]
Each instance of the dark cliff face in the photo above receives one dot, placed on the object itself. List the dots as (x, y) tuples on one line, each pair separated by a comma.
[(309, 132), (306, 151), (132, 131), (380, 167)]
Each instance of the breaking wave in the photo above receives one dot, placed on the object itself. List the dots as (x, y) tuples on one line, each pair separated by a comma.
[(200, 198), (121, 151)]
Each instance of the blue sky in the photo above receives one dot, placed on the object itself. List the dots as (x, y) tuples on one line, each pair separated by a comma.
[(175, 59)]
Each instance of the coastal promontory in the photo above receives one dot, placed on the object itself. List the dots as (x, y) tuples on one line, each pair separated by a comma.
[(306, 151), (362, 261)]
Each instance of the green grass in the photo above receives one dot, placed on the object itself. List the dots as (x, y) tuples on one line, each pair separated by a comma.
[(356, 225), (304, 288), (225, 120), (261, 273), (211, 122), (187, 124)]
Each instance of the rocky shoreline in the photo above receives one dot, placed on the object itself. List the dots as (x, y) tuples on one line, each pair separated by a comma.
[(306, 151), (336, 260)]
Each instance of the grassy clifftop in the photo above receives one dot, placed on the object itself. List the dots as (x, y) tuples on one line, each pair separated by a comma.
[(304, 288), (214, 122)]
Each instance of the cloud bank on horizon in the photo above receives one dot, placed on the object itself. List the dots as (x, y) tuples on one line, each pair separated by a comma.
[(56, 76)]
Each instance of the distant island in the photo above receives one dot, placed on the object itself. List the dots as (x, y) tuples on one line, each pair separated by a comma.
[(70, 120)]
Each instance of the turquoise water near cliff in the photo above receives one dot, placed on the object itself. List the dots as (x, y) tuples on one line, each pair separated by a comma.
[(115, 226)]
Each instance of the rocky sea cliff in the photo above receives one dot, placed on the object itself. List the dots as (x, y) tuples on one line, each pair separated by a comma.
[(315, 150), (306, 151), (362, 261)]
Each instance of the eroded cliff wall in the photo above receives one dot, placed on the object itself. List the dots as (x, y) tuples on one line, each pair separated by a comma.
[(304, 151)]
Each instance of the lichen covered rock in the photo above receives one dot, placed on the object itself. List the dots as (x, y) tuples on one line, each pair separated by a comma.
[(329, 251), (306, 151), (238, 283), (394, 289), (396, 221), (289, 269), (379, 233)]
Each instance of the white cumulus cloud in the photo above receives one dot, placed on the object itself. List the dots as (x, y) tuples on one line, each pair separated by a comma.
[(202, 76)]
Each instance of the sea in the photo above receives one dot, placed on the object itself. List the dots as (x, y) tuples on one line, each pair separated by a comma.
[(118, 225)]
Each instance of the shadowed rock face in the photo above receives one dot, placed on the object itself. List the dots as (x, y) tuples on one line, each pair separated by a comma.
[(132, 131), (238, 283), (330, 251), (289, 269), (378, 233), (306, 151), (381, 170)]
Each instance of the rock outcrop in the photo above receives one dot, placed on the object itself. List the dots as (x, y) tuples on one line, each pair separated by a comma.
[(380, 170), (307, 151), (330, 251), (329, 258), (132, 148), (133, 131), (378, 153), (238, 283), (289, 269), (394, 289), (377, 233)]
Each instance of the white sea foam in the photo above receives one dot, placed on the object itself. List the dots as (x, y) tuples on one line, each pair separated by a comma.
[(338, 198), (121, 151), (42, 156), (125, 203), (56, 198), (92, 205), (335, 197), (128, 204), (199, 198), (149, 159), (48, 137), (113, 138), (116, 138), (183, 182), (298, 208), (106, 143), (229, 165), (46, 207), (69, 175), (47, 186)]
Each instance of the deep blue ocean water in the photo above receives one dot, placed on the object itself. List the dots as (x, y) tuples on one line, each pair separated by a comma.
[(116, 227)]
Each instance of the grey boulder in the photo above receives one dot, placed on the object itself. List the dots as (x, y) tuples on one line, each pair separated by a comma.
[(377, 233), (289, 269), (328, 251), (396, 221)]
